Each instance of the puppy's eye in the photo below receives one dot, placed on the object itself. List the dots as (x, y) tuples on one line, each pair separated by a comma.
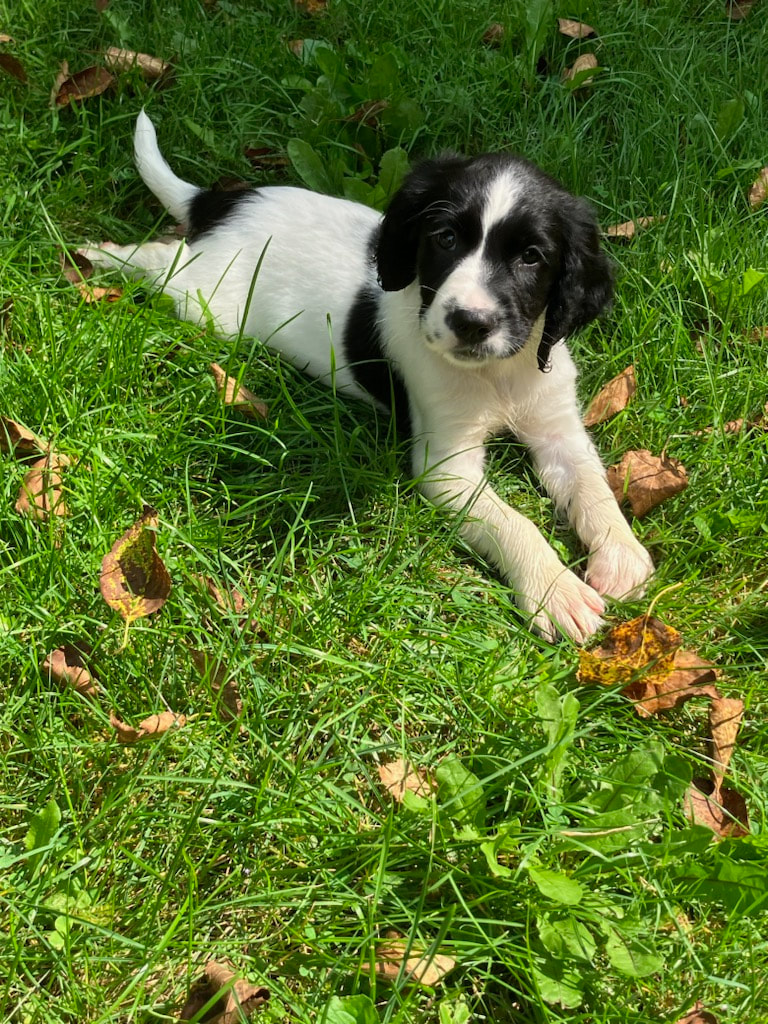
[(446, 238), (532, 256)]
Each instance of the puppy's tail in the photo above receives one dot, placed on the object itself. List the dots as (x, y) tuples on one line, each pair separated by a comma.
[(173, 193)]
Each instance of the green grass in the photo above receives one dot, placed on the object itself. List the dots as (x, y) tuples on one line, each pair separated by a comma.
[(372, 634)]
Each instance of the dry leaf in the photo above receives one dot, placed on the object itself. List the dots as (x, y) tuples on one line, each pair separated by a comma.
[(399, 775), (698, 1015), (646, 480), (585, 62), (75, 267), (123, 60), (231, 393), (13, 66), (393, 955), (5, 38), (40, 495), (759, 191), (296, 46), (83, 85), (725, 714), (150, 728), (691, 676), (16, 439), (229, 600), (264, 158), (66, 666), (643, 648), (230, 704), (368, 113), (612, 398), (737, 10), (311, 6), (239, 999), (493, 35), (726, 814), (134, 580), (574, 29), (61, 77), (630, 228)]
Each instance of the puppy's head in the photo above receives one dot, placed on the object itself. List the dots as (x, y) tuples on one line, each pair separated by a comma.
[(495, 245)]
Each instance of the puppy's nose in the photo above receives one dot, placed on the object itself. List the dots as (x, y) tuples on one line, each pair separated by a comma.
[(472, 326)]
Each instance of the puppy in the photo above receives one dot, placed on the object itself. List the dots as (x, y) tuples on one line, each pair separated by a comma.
[(453, 308)]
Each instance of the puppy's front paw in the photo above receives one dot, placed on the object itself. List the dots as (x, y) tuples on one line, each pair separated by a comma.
[(620, 569), (567, 606), (98, 253)]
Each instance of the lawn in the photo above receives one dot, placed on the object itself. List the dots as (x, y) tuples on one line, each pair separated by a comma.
[(546, 868)]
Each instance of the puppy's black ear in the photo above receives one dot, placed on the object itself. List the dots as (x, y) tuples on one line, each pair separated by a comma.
[(397, 245), (584, 286)]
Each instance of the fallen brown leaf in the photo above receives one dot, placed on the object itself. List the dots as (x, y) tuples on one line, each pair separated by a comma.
[(123, 60), (17, 440), (691, 676), (574, 29), (393, 957), (493, 35), (296, 46), (758, 193), (5, 38), (398, 776), (737, 10), (66, 666), (230, 704), (83, 85), (646, 480), (368, 113), (237, 999), (234, 394), (312, 7), (40, 495), (644, 647), (725, 714), (13, 66), (612, 398), (630, 228), (229, 599), (97, 294), (150, 728), (61, 77), (134, 580), (75, 267), (584, 62), (726, 814), (698, 1015), (264, 158)]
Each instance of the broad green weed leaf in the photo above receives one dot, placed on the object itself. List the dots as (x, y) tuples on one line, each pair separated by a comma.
[(630, 956), (751, 278), (729, 117), (460, 793), (558, 983), (557, 886), (454, 1011), (309, 166), (566, 938), (42, 829), (393, 168), (349, 1010), (384, 77), (358, 191), (506, 840), (558, 716)]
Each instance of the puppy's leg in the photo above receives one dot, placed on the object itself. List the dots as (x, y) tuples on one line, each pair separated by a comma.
[(452, 476), (573, 474), (156, 262)]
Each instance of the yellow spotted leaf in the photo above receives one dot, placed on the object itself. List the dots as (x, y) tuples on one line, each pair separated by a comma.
[(134, 580)]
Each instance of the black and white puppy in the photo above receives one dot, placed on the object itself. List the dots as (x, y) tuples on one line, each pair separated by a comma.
[(454, 305)]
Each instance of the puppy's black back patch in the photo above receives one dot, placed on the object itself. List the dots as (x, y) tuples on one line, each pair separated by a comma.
[(211, 208), (369, 365)]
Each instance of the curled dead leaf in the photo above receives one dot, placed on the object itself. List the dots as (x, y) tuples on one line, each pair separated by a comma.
[(234, 394), (493, 35), (264, 158), (612, 398), (758, 193), (5, 38), (698, 1015), (75, 267), (399, 775), (296, 46), (66, 666), (368, 113), (40, 495), (646, 480), (311, 7), (630, 228), (224, 687), (574, 29), (237, 999), (725, 714), (584, 62), (13, 66), (394, 958), (150, 728), (83, 85), (134, 580), (123, 60), (691, 676), (17, 440), (644, 647), (737, 10), (61, 77), (725, 813)]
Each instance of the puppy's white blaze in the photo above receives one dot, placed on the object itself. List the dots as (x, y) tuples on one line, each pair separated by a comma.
[(173, 192), (503, 195)]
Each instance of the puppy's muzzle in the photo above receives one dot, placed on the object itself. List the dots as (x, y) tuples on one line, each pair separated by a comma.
[(472, 328)]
